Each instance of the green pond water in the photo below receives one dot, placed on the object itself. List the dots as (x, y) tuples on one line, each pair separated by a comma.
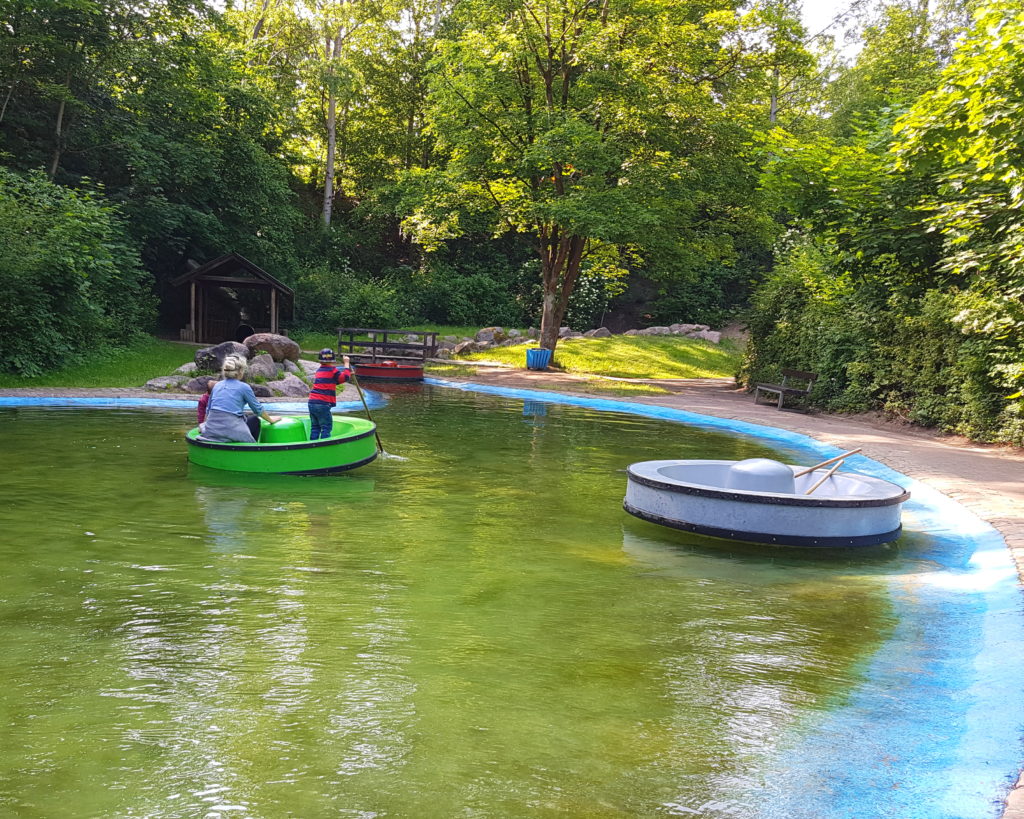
[(478, 630)]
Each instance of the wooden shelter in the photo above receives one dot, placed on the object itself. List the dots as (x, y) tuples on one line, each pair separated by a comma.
[(231, 297)]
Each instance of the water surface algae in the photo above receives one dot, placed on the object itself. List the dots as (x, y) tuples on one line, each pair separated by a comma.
[(935, 731), (933, 728)]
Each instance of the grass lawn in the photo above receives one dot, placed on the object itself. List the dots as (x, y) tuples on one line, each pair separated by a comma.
[(454, 369), (632, 357), (128, 367)]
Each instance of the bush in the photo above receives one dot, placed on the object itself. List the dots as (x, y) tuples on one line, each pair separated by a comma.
[(72, 282), (328, 298), (921, 359)]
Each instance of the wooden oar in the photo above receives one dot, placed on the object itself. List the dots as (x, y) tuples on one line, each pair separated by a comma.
[(825, 478), (369, 417), (826, 463)]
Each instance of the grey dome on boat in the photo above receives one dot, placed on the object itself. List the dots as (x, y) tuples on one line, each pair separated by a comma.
[(760, 475)]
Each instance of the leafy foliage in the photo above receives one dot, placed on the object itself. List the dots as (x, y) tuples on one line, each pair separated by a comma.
[(71, 279)]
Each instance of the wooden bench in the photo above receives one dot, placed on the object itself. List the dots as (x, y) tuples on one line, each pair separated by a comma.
[(787, 387)]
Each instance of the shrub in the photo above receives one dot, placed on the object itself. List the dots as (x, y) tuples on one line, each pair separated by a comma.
[(72, 282)]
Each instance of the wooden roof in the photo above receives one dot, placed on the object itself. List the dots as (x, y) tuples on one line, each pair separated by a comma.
[(232, 269)]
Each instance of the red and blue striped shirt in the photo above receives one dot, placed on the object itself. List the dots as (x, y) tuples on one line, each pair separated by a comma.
[(325, 383)]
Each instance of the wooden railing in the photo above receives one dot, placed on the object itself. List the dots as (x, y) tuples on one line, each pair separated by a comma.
[(374, 345)]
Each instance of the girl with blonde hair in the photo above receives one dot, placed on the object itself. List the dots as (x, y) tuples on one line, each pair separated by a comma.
[(225, 417)]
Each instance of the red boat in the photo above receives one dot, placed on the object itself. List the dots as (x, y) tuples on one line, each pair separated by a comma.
[(390, 371)]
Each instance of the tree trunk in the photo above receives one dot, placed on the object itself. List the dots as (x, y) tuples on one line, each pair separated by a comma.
[(58, 140), (560, 267), (332, 137)]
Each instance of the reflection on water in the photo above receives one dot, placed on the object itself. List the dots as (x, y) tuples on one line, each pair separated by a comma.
[(477, 630)]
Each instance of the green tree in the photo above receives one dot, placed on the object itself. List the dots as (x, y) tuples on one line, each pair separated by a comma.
[(580, 124)]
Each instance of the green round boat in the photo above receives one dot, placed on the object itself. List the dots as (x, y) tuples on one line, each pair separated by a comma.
[(284, 448)]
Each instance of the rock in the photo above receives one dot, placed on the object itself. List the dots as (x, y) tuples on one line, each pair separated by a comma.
[(198, 384), (701, 327), (683, 329), (631, 333), (491, 334), (290, 385), (446, 345), (444, 352), (514, 333), (187, 369), (262, 366), (709, 335), (563, 332), (656, 331), (464, 347), (573, 334), (531, 332), (452, 339), (600, 332), (309, 367), (411, 338), (262, 391), (166, 383), (211, 359), (294, 369), (279, 347)]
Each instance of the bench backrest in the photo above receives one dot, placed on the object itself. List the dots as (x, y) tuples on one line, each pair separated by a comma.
[(798, 375)]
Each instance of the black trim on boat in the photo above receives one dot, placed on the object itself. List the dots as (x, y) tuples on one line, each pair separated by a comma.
[(234, 445), (334, 469), (757, 537), (774, 500)]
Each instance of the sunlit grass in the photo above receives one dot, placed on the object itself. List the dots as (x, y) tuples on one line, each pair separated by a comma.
[(131, 366), (631, 357)]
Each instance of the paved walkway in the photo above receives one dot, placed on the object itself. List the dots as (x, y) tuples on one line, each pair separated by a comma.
[(987, 480)]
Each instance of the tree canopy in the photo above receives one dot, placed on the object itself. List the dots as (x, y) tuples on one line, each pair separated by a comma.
[(564, 161)]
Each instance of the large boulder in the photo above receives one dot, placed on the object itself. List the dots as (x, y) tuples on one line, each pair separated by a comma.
[(211, 359), (631, 333), (656, 331), (563, 332), (281, 348), (166, 383), (262, 366), (466, 347), (493, 335), (262, 391), (198, 384), (291, 385), (294, 369), (309, 368), (708, 335), (600, 332), (187, 369)]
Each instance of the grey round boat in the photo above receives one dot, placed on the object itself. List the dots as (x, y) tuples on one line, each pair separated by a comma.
[(763, 501)]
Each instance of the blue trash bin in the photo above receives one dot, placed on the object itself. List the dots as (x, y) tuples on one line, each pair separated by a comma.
[(538, 358)]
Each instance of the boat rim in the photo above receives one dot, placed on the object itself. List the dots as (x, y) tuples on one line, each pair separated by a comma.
[(770, 498), (238, 446)]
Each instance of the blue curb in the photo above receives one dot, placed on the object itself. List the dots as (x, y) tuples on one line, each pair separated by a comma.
[(373, 399), (934, 727)]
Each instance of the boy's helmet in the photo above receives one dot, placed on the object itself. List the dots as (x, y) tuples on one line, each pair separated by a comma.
[(326, 356)]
